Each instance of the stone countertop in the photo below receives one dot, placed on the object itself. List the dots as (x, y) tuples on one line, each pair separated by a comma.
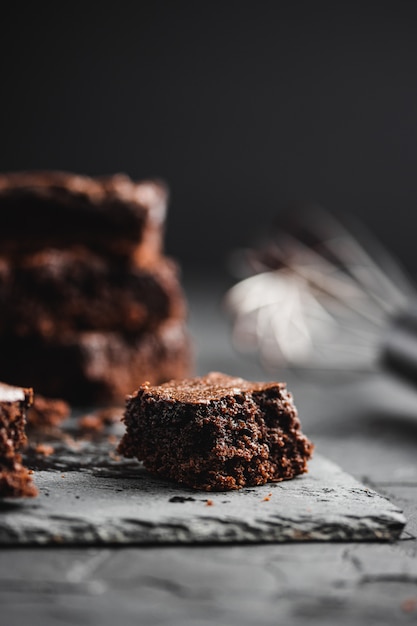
[(366, 423)]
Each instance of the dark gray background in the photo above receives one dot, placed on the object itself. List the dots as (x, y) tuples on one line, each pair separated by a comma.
[(243, 107)]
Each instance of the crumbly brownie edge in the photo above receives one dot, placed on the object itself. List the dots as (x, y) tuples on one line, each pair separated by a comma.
[(15, 479)]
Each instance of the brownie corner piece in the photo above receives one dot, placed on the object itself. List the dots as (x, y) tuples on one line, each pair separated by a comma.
[(15, 478), (216, 432)]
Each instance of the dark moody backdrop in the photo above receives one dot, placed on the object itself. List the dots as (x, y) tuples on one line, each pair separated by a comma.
[(243, 107)]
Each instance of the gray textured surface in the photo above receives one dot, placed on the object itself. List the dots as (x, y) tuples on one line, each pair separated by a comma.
[(89, 507), (366, 424)]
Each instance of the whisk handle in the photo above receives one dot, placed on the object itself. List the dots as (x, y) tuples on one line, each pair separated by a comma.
[(399, 351)]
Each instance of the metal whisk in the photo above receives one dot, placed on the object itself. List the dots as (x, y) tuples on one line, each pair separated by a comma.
[(316, 295)]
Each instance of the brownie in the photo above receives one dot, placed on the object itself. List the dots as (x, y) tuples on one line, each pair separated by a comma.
[(96, 367), (89, 305), (54, 292), (15, 479), (112, 215), (216, 432)]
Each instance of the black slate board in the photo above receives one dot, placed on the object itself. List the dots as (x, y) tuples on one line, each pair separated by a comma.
[(88, 496)]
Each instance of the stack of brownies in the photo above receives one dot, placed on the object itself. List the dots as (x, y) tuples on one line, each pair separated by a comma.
[(89, 305)]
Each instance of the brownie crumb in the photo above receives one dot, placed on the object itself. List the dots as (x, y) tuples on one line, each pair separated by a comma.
[(44, 449), (98, 420), (47, 413), (91, 423), (409, 605)]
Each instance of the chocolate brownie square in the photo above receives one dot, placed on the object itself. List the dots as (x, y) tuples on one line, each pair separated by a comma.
[(216, 432)]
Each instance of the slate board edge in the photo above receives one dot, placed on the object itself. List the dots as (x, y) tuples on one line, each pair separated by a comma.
[(203, 532)]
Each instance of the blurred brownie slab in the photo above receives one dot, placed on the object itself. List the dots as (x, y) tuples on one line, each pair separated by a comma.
[(216, 432), (96, 367), (15, 480), (89, 306), (56, 292), (112, 215)]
